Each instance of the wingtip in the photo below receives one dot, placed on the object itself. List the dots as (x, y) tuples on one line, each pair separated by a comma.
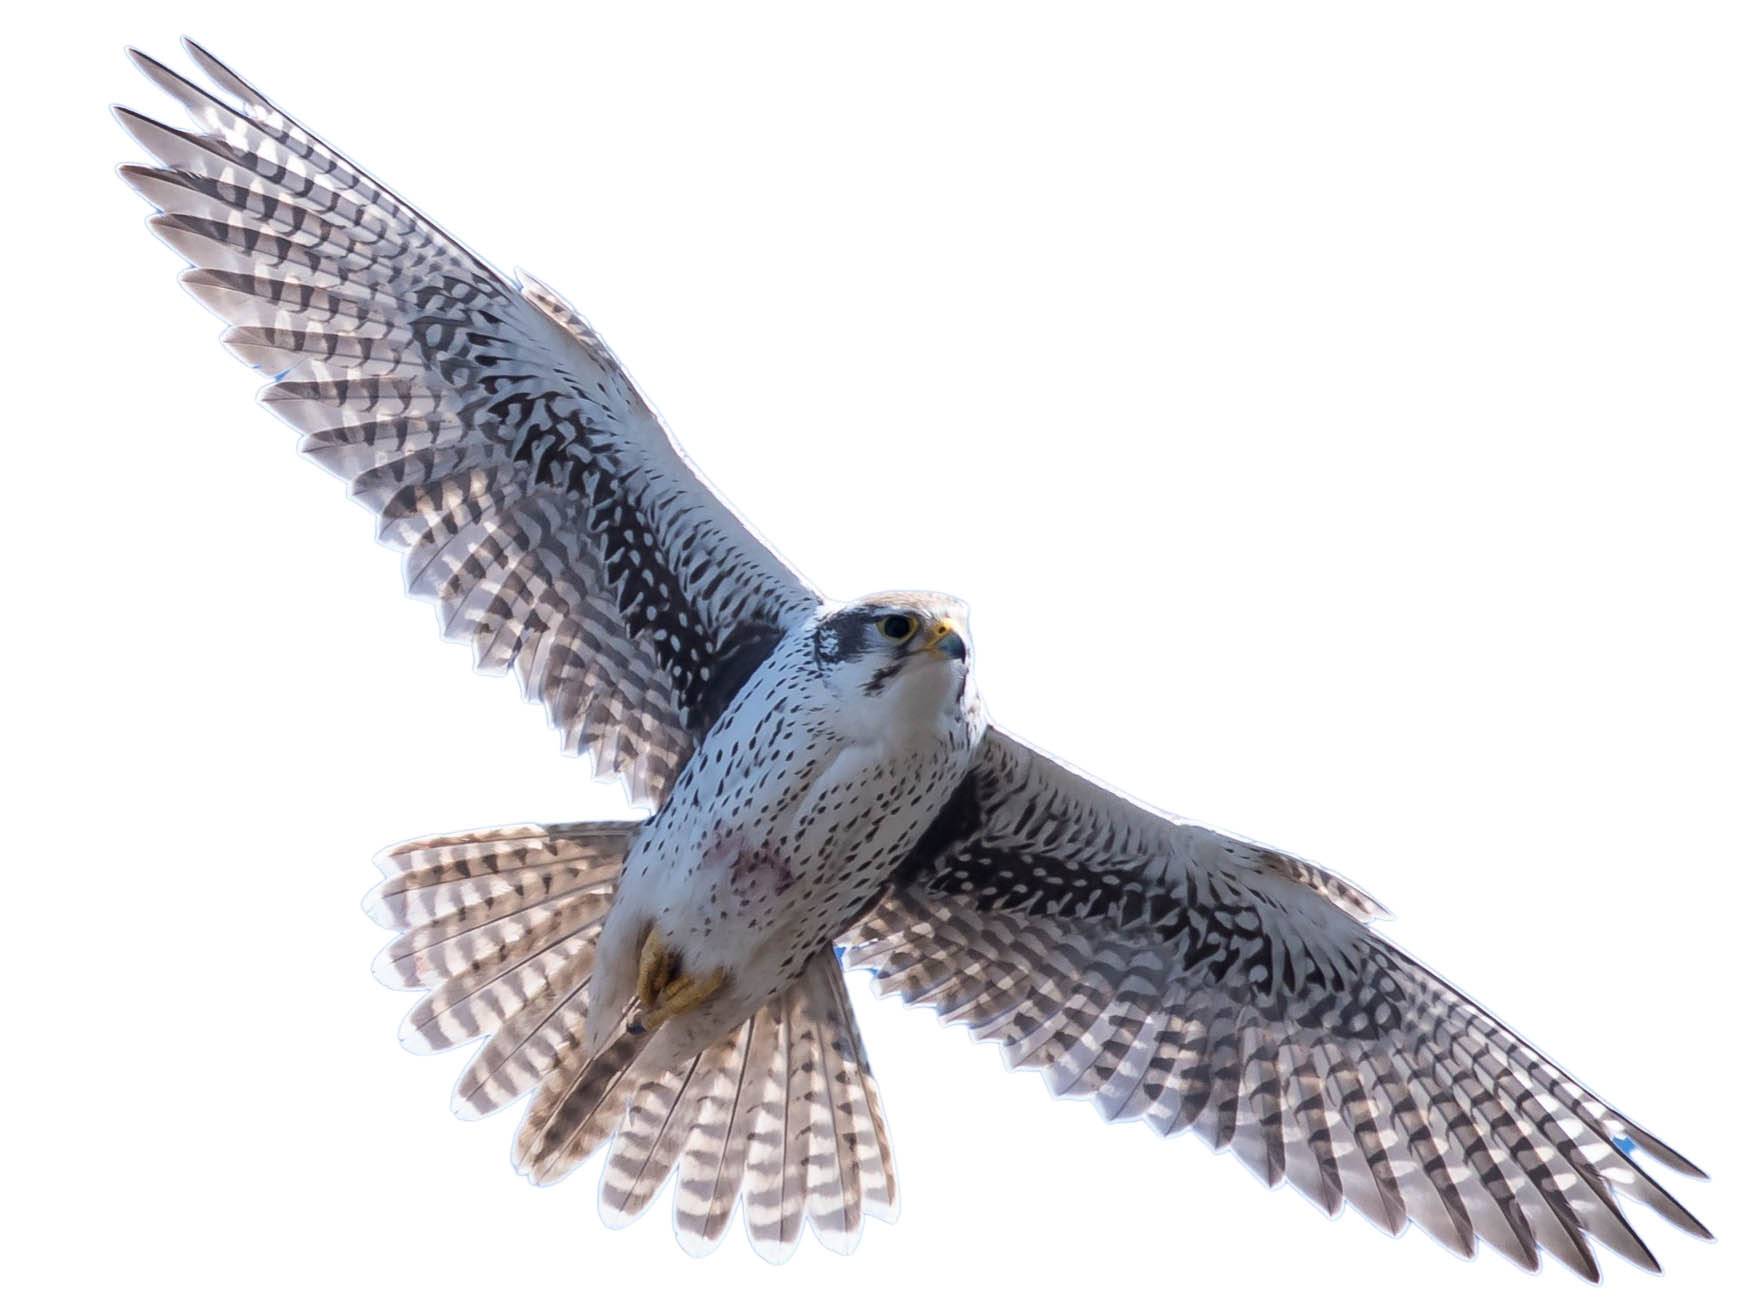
[(144, 62), (1680, 1164), (1688, 1222), (216, 68), (139, 126), (1640, 1139)]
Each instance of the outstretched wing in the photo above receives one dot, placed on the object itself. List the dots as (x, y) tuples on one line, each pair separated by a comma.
[(536, 495), (1194, 979)]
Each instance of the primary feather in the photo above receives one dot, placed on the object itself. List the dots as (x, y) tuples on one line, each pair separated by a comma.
[(1197, 980), (539, 500)]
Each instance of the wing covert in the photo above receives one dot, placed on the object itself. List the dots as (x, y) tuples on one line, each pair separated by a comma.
[(1196, 980), (537, 497)]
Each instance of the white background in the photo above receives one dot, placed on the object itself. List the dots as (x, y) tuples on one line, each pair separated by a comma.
[(1337, 416)]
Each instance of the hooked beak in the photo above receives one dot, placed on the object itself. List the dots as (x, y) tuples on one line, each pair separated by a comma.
[(946, 642)]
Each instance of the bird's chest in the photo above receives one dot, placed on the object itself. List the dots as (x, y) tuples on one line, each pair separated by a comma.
[(780, 834)]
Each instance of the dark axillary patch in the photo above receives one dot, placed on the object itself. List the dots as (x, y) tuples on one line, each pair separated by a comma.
[(747, 646), (960, 820), (1215, 938), (963, 854)]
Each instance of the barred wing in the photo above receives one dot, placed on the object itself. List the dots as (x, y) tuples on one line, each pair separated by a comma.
[(1196, 980), (536, 495)]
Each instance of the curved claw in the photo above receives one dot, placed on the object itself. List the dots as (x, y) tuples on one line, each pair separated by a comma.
[(663, 990)]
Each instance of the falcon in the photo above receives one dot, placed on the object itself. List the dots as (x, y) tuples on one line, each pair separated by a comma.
[(824, 791)]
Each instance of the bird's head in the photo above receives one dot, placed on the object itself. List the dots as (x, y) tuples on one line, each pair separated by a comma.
[(909, 651)]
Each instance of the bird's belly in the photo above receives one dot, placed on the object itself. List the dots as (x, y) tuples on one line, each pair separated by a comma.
[(758, 890), (763, 894), (775, 838)]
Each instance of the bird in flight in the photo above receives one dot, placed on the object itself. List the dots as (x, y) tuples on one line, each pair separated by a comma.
[(824, 788)]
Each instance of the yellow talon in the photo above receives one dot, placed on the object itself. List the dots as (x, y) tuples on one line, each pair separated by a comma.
[(684, 992), (656, 969), (663, 991)]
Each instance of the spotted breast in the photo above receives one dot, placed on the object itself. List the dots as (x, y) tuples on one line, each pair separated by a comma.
[(819, 779)]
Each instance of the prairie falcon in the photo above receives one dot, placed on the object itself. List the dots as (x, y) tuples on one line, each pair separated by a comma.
[(821, 776)]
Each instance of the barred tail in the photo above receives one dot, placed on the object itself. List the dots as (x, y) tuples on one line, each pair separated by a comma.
[(782, 1115), (500, 929)]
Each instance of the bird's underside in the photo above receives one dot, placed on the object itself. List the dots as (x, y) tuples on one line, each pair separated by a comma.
[(1166, 971)]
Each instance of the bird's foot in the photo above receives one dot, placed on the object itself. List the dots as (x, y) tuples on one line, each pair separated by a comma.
[(664, 990), (657, 967)]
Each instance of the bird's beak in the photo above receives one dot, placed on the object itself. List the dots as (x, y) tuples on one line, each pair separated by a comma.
[(946, 641)]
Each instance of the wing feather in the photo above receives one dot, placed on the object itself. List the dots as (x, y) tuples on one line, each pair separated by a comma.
[(538, 497), (1198, 980)]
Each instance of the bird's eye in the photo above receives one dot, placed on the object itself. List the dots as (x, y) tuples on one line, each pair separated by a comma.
[(896, 627)]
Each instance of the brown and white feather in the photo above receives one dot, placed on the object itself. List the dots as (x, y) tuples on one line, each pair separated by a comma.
[(1196, 980)]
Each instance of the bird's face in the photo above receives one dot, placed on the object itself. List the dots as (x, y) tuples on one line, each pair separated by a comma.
[(910, 653)]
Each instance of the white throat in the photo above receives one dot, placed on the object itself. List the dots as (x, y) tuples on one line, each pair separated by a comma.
[(924, 702)]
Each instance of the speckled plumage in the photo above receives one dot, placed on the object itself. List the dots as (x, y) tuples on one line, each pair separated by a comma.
[(784, 826), (819, 777)]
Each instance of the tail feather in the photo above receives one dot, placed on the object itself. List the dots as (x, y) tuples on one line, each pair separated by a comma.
[(781, 1114), (833, 1178), (530, 1042), (443, 951), (578, 1107), (858, 1110), (490, 920), (715, 1155), (779, 1144), (512, 867), (500, 929), (649, 1141), (482, 1001)]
